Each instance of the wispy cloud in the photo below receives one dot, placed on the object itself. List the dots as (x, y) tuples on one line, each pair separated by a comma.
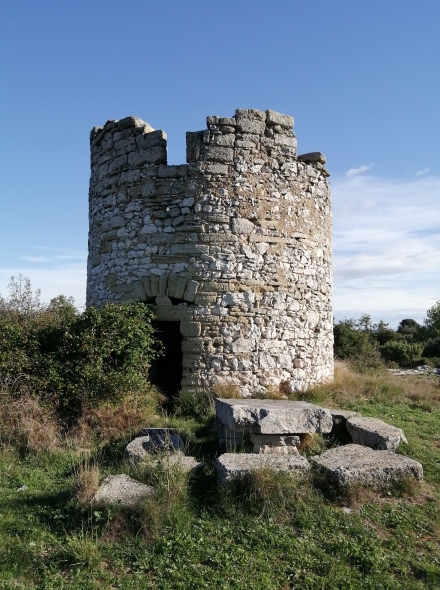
[(358, 171), (35, 258), (422, 172), (386, 245), (57, 273)]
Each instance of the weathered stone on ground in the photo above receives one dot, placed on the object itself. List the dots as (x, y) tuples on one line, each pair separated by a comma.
[(374, 433), (354, 464), (121, 490), (231, 466), (275, 444), (270, 416), (161, 439)]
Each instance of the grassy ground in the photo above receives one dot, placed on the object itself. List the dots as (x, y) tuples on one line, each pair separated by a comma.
[(272, 533)]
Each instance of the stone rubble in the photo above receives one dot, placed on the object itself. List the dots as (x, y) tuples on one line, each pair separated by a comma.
[(276, 428), (235, 245)]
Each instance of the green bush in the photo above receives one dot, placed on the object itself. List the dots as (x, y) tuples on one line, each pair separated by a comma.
[(403, 352), (77, 360)]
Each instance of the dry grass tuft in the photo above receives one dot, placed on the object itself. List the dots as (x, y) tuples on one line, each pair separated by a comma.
[(86, 482), (27, 424), (111, 422), (226, 391), (382, 387)]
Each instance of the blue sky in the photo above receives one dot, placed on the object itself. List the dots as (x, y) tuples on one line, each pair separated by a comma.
[(361, 78)]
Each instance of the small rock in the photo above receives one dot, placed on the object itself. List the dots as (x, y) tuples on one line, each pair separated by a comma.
[(121, 490)]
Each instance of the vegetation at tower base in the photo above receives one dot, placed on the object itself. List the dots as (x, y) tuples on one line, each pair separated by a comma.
[(74, 361)]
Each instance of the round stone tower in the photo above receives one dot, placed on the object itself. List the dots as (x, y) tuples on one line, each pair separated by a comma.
[(232, 250)]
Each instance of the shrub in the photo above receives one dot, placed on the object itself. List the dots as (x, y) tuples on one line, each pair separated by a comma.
[(403, 352)]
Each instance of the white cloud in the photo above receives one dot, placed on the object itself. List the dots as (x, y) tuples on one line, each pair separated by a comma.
[(358, 171), (422, 172), (386, 245)]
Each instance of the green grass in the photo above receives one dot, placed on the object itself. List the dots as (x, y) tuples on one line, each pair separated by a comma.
[(271, 534)]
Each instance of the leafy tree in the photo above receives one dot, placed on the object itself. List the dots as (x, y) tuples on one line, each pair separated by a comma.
[(22, 301), (408, 328), (432, 321)]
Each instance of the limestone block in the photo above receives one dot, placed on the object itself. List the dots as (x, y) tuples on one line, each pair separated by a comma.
[(172, 171), (152, 139), (239, 225), (274, 118), (242, 345), (121, 490), (139, 290), (232, 466), (194, 146), (176, 286), (273, 416), (250, 121), (312, 157), (219, 154), (355, 464), (191, 290), (190, 329), (275, 443), (374, 433)]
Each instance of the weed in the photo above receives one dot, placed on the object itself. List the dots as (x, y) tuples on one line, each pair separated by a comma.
[(83, 549), (86, 481), (196, 403), (27, 424)]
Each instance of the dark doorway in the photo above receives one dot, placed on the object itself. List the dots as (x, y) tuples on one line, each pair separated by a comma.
[(166, 371)]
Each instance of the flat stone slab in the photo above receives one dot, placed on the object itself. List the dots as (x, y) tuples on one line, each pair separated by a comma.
[(121, 490), (355, 464), (283, 444), (231, 466), (374, 433), (269, 416)]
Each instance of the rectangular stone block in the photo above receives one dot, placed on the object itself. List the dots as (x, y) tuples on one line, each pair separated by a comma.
[(232, 466), (349, 465), (273, 416), (190, 329), (374, 433), (219, 154)]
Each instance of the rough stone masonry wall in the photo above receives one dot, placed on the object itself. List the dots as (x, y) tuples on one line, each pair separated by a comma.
[(235, 245)]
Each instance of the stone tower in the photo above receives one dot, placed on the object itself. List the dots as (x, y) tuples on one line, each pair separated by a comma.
[(232, 250)]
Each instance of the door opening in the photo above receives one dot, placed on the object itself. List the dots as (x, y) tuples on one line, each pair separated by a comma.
[(166, 371)]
